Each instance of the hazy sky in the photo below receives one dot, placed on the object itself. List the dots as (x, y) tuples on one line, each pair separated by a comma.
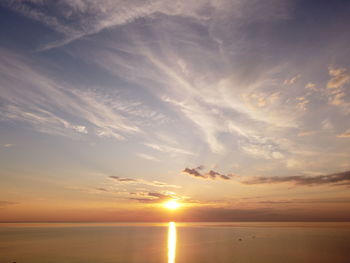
[(239, 108)]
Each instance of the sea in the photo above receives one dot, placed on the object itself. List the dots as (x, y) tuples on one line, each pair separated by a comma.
[(236, 242)]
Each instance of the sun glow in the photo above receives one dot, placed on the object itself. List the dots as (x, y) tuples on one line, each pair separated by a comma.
[(172, 204)]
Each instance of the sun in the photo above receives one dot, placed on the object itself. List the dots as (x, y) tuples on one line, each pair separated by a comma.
[(172, 205)]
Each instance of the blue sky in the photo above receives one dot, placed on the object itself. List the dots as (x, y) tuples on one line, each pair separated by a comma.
[(96, 92)]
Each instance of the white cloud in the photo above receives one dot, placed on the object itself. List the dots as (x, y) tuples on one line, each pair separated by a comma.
[(263, 151), (32, 97), (147, 157), (167, 149), (327, 124), (292, 80), (79, 18), (120, 180)]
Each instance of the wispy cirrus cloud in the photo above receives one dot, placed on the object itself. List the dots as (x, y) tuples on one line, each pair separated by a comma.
[(147, 157), (42, 120), (79, 18), (76, 19), (142, 181), (167, 149), (174, 74), (206, 94), (30, 96)]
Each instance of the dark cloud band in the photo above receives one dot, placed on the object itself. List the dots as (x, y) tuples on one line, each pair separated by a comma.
[(209, 175), (342, 178)]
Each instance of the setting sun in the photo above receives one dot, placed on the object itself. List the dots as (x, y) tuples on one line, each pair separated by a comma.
[(172, 204)]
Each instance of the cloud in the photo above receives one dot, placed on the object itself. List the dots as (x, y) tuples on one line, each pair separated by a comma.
[(142, 181), (212, 120), (327, 124), (306, 201), (193, 172), (147, 157), (30, 96), (340, 77), (162, 184), (76, 19), (8, 145), (215, 175), (206, 121), (292, 80), (7, 203), (302, 103), (311, 86), (342, 178), (190, 69), (307, 133), (345, 134), (167, 149), (209, 175), (42, 120), (179, 74), (122, 179), (261, 100), (265, 151), (336, 87), (200, 66), (154, 197), (102, 189)]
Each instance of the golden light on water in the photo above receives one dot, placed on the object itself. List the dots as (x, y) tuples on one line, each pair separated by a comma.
[(172, 204), (171, 242)]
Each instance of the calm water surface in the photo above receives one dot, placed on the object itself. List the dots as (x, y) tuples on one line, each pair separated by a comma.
[(175, 242)]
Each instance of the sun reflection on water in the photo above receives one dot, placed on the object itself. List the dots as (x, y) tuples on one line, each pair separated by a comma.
[(171, 242)]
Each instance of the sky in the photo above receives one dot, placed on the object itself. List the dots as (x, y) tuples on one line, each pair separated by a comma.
[(240, 110)]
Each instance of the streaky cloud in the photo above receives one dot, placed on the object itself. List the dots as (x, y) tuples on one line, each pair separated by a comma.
[(342, 178), (142, 181)]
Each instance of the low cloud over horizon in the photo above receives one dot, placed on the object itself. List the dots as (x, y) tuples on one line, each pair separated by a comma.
[(342, 178)]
